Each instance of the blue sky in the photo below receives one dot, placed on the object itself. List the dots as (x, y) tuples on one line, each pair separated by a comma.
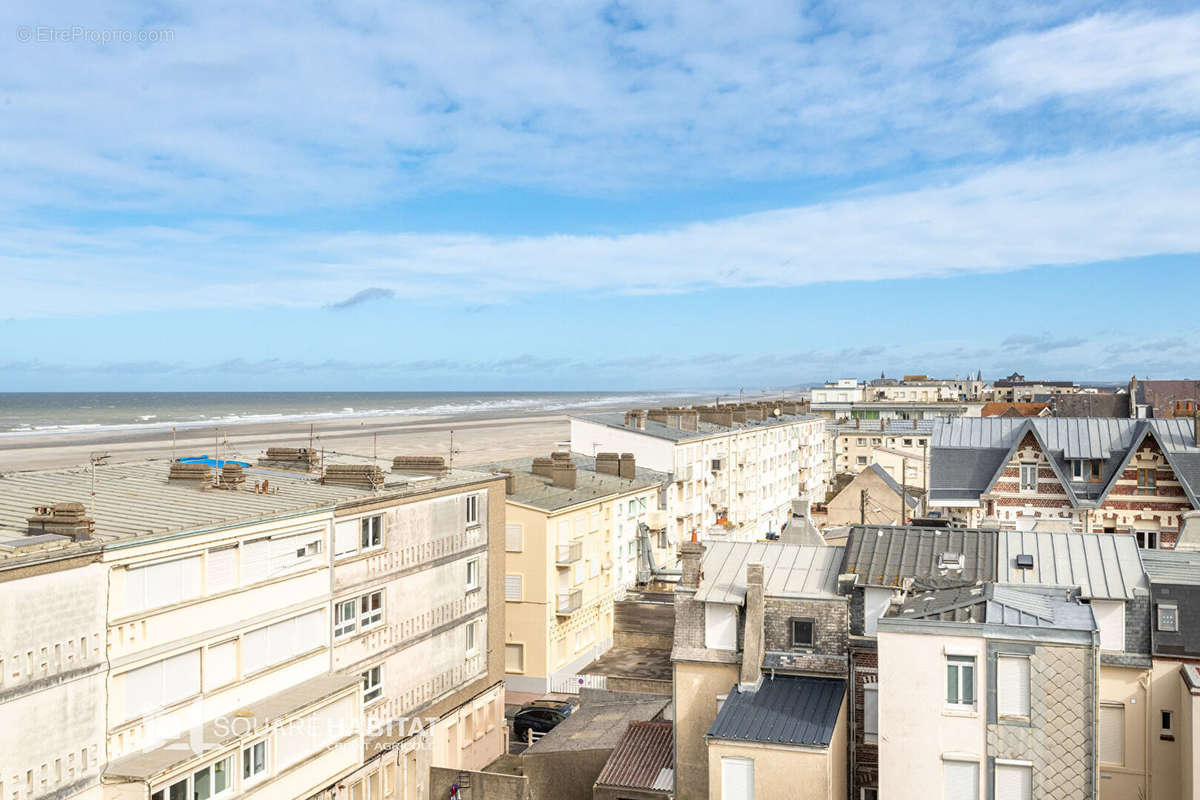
[(601, 196)]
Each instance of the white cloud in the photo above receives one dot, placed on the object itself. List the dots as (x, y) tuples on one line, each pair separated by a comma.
[(1076, 209)]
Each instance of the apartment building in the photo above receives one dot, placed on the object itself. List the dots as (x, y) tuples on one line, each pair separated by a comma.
[(860, 443), (571, 545), (181, 618), (1017, 389), (734, 469), (1105, 475), (914, 398), (760, 668), (987, 691)]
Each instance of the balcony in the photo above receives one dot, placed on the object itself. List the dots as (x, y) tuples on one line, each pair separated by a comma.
[(569, 553), (569, 602)]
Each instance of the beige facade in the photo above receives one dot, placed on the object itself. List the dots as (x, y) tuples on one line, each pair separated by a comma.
[(783, 772), (697, 685), (1125, 711), (880, 505)]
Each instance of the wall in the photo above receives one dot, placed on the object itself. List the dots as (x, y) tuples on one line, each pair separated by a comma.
[(696, 688), (783, 772), (565, 774), (484, 785), (846, 507), (1124, 686)]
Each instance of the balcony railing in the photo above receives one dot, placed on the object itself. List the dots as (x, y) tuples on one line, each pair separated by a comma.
[(570, 553), (569, 602)]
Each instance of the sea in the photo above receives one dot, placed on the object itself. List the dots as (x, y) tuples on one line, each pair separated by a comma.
[(57, 413)]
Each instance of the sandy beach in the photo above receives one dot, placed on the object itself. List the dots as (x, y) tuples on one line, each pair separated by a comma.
[(476, 441)]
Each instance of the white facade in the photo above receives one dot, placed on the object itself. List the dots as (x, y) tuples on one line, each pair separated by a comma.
[(737, 483)]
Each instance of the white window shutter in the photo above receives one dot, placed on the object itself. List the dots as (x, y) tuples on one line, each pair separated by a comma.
[(1014, 782), (564, 532), (345, 538), (255, 561), (181, 676), (1012, 686), (961, 780), (720, 626), (737, 779), (1110, 618), (255, 651), (135, 590), (191, 571), (221, 667), (143, 689), (513, 538), (1112, 734), (871, 710), (514, 588), (222, 570)]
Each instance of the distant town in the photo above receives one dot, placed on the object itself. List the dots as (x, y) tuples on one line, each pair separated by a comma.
[(874, 588)]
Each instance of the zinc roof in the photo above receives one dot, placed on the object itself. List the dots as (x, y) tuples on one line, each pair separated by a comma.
[(1103, 566), (993, 604), (788, 570), (1180, 567), (645, 752), (787, 709), (888, 556)]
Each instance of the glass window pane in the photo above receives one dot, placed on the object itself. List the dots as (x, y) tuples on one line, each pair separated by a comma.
[(220, 776), (178, 791), (951, 684), (202, 784), (968, 685)]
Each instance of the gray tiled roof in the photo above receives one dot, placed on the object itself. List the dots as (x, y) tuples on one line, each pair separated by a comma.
[(1103, 566), (993, 604), (891, 555), (1181, 567), (968, 453), (786, 709), (539, 491), (788, 570)]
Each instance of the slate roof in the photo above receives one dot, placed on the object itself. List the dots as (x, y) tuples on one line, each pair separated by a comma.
[(787, 709), (1103, 566), (789, 570), (643, 759), (968, 453), (540, 492), (1005, 409), (1091, 405), (993, 604), (890, 555), (1163, 395), (1181, 567)]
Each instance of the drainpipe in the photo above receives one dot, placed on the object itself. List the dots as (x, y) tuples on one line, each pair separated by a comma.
[(1144, 682)]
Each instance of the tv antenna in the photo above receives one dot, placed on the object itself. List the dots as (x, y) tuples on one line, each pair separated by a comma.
[(453, 450)]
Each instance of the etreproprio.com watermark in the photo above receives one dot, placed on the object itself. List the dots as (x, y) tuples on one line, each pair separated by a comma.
[(50, 34)]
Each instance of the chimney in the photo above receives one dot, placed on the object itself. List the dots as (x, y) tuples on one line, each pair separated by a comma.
[(510, 480), (365, 475), (739, 415), (563, 472), (189, 471), (608, 463), (717, 415), (690, 555), (914, 423), (1189, 532), (232, 475), (635, 419), (543, 466), (64, 519), (689, 419), (297, 458), (628, 466), (425, 465), (752, 645)]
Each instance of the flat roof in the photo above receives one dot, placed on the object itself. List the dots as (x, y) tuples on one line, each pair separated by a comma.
[(135, 500), (704, 430), (599, 724), (789, 570), (539, 491)]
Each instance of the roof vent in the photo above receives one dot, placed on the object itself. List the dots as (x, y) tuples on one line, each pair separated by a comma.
[(950, 560), (64, 519), (1025, 561)]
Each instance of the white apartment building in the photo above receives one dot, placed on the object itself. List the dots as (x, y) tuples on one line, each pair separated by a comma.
[(180, 640), (734, 470)]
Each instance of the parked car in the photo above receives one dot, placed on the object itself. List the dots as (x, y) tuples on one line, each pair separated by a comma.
[(540, 716)]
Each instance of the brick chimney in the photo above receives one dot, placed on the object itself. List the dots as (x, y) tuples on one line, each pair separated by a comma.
[(426, 465), (563, 472), (628, 466), (690, 555), (64, 519), (543, 466), (717, 415), (752, 645), (608, 463), (635, 419), (510, 480)]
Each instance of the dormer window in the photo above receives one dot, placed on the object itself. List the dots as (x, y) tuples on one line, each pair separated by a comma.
[(1028, 477), (1086, 469), (1168, 617), (1078, 468), (950, 560)]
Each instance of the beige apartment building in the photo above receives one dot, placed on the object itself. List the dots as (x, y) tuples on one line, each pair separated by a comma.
[(180, 638), (572, 544)]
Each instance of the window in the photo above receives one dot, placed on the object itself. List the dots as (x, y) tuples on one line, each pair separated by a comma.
[(908, 442), (720, 626), (861, 460), (372, 684), (176, 791), (1029, 477), (1146, 481), (876, 442), (1168, 617), (802, 633), (162, 584), (370, 609), (514, 538), (1077, 468), (472, 509), (1148, 540), (1110, 617), (345, 618), (514, 658), (345, 539), (868, 793), (960, 780), (1012, 686), (371, 536), (220, 667), (960, 680), (737, 778), (473, 574), (254, 762), (161, 684), (1096, 466), (470, 640), (862, 442), (870, 713), (214, 780), (1167, 725), (222, 570), (1112, 734), (1014, 781), (514, 588)]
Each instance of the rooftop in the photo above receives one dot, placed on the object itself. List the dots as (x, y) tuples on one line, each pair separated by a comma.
[(1013, 409), (788, 570), (898, 427), (889, 556), (892, 484), (599, 722), (993, 604), (1181, 567), (1103, 566), (135, 500), (704, 430), (539, 491), (787, 709), (643, 759)]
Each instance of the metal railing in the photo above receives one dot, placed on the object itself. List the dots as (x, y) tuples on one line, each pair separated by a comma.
[(570, 553), (570, 602)]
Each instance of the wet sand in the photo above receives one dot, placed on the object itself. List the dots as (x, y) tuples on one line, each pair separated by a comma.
[(476, 441)]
